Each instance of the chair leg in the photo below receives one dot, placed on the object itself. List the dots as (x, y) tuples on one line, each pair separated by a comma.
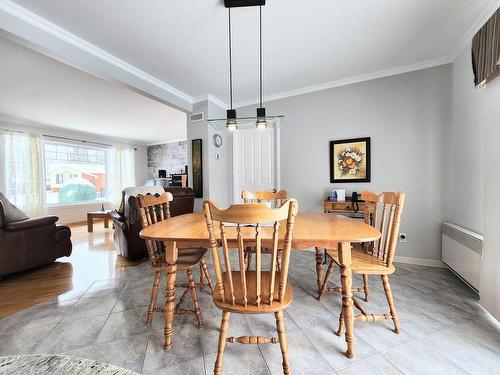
[(204, 270), (340, 331), (278, 260), (222, 342), (202, 279), (192, 289), (280, 324), (365, 286), (248, 260), (390, 301), (319, 267), (328, 276), (154, 297)]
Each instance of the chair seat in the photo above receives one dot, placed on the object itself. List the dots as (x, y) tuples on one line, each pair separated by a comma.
[(251, 307), (363, 263), (187, 258)]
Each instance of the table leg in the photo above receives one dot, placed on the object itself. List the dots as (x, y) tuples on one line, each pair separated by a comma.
[(319, 267), (90, 226), (171, 257), (347, 303), (106, 222)]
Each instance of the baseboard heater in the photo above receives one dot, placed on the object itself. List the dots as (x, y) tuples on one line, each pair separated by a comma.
[(462, 253)]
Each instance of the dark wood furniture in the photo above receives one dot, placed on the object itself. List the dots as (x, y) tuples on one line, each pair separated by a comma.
[(104, 215)]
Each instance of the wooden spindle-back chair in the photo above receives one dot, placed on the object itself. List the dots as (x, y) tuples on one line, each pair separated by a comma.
[(154, 209), (384, 213), (275, 199), (251, 292)]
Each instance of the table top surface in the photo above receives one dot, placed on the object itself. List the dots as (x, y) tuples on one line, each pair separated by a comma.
[(95, 213), (311, 229)]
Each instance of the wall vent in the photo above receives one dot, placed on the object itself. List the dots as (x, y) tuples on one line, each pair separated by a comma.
[(193, 117)]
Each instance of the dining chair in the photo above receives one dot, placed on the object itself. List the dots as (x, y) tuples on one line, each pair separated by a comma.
[(154, 209), (384, 213), (243, 291), (274, 199)]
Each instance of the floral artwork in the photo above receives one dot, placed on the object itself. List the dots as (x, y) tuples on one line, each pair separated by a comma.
[(350, 160)]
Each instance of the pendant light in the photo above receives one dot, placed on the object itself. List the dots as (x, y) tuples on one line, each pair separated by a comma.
[(231, 123), (261, 122)]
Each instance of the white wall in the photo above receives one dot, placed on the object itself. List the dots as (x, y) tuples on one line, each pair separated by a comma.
[(405, 116), (78, 212), (217, 173), (474, 178)]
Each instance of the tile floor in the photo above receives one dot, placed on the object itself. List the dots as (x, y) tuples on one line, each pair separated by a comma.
[(444, 329)]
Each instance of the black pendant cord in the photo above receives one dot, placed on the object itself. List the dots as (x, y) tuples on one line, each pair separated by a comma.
[(260, 52), (230, 64)]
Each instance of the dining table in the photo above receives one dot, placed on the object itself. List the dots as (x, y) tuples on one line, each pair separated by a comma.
[(311, 230)]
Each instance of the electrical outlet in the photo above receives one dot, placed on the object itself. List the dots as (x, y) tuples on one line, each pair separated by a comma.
[(402, 237)]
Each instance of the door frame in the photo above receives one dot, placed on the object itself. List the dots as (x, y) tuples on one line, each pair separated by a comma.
[(277, 178)]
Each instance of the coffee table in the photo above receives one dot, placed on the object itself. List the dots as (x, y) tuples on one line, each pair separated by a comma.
[(105, 215)]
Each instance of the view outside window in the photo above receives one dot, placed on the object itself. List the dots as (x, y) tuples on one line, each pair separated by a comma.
[(74, 173)]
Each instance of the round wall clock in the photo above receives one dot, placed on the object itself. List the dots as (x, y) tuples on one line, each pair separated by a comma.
[(217, 140)]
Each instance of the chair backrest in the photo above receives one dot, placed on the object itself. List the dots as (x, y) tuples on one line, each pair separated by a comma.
[(129, 194), (154, 209), (384, 213), (276, 198), (255, 224)]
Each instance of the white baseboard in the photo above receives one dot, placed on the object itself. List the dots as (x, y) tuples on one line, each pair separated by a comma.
[(419, 261)]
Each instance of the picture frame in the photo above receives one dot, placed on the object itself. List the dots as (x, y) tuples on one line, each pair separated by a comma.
[(197, 161), (350, 160)]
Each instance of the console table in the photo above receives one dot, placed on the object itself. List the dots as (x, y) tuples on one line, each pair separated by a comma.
[(345, 208)]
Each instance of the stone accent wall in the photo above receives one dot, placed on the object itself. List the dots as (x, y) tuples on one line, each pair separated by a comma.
[(169, 156)]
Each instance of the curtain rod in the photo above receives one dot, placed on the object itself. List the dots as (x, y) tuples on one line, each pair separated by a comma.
[(76, 140), (63, 138)]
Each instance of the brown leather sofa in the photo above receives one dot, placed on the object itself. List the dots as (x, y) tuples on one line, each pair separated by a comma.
[(29, 243), (127, 221)]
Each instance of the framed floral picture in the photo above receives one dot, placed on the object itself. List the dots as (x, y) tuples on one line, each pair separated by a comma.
[(350, 160)]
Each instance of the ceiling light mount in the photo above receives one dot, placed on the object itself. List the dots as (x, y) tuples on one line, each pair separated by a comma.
[(243, 3)]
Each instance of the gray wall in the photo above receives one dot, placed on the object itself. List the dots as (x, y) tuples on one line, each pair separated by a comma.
[(170, 156), (474, 175), (406, 117)]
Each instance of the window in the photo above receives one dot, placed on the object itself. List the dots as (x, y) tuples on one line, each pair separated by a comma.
[(74, 173)]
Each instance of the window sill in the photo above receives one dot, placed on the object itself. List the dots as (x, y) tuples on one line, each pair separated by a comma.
[(90, 203)]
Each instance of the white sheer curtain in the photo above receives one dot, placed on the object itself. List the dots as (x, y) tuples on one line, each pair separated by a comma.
[(22, 171), (121, 172)]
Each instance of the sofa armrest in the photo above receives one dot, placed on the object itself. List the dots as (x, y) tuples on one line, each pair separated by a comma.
[(31, 223), (115, 215)]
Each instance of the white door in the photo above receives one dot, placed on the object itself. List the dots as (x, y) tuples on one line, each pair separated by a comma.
[(255, 160)]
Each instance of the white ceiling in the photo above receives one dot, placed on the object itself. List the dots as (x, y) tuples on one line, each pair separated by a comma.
[(306, 43), (37, 88)]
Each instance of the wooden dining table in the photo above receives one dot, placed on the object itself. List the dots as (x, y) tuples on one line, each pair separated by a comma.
[(312, 229)]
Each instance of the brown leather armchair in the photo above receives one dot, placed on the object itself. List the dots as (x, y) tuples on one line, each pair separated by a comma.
[(127, 222), (30, 243)]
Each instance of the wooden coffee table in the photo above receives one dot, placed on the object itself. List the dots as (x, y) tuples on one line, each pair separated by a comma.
[(105, 215)]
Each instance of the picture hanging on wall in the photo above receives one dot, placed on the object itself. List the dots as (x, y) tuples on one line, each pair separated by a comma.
[(350, 160), (197, 158)]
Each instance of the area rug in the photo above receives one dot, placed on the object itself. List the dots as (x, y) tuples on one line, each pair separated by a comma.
[(56, 365)]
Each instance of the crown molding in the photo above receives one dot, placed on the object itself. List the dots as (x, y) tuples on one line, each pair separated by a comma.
[(478, 23), (349, 81), (52, 40), (210, 98)]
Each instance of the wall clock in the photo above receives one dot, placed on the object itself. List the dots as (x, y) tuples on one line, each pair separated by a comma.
[(217, 140)]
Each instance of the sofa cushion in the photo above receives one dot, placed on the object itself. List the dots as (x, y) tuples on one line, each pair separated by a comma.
[(10, 212)]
